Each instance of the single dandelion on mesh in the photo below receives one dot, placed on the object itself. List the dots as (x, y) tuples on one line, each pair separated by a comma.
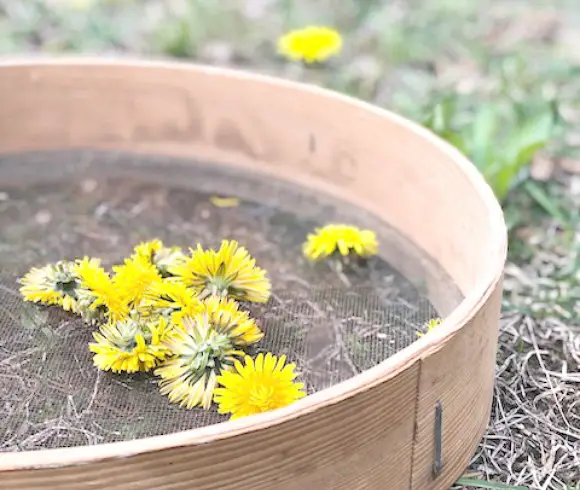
[(52, 285), (171, 298), (131, 345), (134, 278), (257, 386), (430, 325), (344, 239), (200, 353), (312, 44), (160, 256), (228, 271), (99, 298)]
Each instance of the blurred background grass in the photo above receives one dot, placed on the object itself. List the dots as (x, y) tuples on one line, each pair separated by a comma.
[(499, 79)]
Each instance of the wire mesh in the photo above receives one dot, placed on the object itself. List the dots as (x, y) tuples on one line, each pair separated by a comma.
[(333, 322)]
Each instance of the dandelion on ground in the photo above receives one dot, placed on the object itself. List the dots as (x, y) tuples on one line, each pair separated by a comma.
[(257, 386), (344, 239), (311, 44)]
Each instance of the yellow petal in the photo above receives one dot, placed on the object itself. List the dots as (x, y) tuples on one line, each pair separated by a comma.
[(224, 202)]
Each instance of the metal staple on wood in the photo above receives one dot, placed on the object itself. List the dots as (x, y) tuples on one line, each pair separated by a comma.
[(438, 462)]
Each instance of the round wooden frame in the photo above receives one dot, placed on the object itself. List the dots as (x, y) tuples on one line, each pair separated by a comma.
[(413, 421)]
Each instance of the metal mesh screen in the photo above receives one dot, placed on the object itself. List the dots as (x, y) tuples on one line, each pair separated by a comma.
[(52, 396), (64, 205)]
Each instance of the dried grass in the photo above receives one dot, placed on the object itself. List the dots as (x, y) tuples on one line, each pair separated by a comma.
[(534, 435)]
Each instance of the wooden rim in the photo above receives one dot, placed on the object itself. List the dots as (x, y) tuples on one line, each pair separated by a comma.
[(477, 295)]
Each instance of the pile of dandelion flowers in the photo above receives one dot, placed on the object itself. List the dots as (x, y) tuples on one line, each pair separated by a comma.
[(344, 239), (229, 271), (52, 285), (257, 386), (224, 317), (131, 345), (313, 44), (199, 355)]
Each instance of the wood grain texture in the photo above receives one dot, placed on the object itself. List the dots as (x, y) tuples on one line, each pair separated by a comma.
[(341, 446), (373, 431)]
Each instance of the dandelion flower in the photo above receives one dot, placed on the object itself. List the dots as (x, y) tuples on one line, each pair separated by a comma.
[(342, 238), (430, 325), (134, 277), (81, 5), (257, 386), (311, 44), (224, 317), (53, 284), (148, 249), (171, 298), (98, 296), (229, 271), (157, 254), (199, 355), (131, 345)]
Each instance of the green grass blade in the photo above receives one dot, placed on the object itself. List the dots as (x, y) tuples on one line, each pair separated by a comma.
[(487, 484), (484, 128), (544, 201)]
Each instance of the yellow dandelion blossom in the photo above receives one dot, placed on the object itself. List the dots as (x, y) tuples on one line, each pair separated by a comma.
[(430, 325), (91, 274), (54, 284), (311, 44), (99, 296), (224, 317), (147, 249), (131, 345), (199, 355), (342, 238), (81, 5), (171, 298), (257, 386), (134, 278), (159, 255), (229, 271)]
